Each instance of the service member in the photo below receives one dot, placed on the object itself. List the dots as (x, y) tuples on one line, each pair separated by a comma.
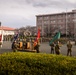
[(69, 50)]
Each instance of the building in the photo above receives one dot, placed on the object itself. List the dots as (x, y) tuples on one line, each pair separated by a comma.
[(52, 23), (6, 32)]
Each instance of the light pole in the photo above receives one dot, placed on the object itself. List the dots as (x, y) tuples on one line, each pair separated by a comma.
[(75, 27), (66, 22)]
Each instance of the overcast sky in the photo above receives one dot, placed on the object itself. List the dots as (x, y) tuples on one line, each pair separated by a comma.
[(19, 13)]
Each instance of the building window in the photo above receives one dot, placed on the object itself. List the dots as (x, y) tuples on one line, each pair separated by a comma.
[(46, 22), (39, 22), (39, 18), (46, 18), (53, 21)]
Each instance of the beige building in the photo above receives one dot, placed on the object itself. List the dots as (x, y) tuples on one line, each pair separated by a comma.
[(52, 23), (6, 32)]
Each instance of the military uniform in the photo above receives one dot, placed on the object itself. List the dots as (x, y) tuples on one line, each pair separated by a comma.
[(14, 46), (57, 49), (52, 48), (37, 47), (24, 44), (69, 46), (32, 45)]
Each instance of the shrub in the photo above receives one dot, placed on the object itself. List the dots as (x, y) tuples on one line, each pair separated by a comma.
[(17, 63), (62, 40)]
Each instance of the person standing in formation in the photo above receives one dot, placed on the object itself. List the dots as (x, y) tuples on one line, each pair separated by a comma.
[(37, 46), (14, 46), (57, 48), (69, 50), (52, 48)]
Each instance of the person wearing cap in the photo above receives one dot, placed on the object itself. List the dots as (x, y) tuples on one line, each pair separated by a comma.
[(69, 48), (57, 48), (52, 47), (14, 46), (37, 47), (32, 45)]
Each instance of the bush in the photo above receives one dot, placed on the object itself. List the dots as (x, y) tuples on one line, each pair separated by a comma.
[(36, 64), (62, 40)]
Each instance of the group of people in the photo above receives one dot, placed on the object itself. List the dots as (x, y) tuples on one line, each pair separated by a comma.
[(56, 48), (24, 45)]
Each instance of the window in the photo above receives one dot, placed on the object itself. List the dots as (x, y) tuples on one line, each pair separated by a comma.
[(39, 18), (46, 22), (53, 21), (46, 18)]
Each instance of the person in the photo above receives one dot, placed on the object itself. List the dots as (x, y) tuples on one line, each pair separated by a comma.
[(18, 40), (24, 44), (32, 46), (0, 44), (14, 46), (52, 48), (69, 50), (57, 48), (37, 47)]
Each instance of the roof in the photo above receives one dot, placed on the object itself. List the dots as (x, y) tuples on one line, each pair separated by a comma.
[(6, 28), (73, 11)]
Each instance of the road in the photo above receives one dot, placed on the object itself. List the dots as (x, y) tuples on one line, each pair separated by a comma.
[(44, 48)]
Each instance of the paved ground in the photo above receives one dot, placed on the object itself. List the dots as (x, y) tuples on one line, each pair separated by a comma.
[(6, 47), (44, 48)]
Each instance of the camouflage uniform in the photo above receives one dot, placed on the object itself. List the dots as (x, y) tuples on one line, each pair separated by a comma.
[(52, 48), (37, 47), (57, 49), (14, 46), (32, 45), (24, 44), (69, 46)]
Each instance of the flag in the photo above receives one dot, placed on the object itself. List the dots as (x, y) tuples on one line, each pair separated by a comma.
[(1, 40), (38, 36), (16, 36), (57, 36), (1, 37)]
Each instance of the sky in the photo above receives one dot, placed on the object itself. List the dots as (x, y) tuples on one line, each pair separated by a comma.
[(22, 13)]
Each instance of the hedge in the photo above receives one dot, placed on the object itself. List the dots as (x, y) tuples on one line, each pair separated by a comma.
[(24, 63)]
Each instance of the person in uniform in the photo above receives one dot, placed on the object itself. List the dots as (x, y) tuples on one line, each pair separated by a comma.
[(37, 47), (52, 48), (57, 48), (24, 44), (32, 45), (14, 46), (69, 50)]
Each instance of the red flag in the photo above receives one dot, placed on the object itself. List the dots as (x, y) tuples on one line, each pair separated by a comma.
[(1, 37), (38, 36)]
